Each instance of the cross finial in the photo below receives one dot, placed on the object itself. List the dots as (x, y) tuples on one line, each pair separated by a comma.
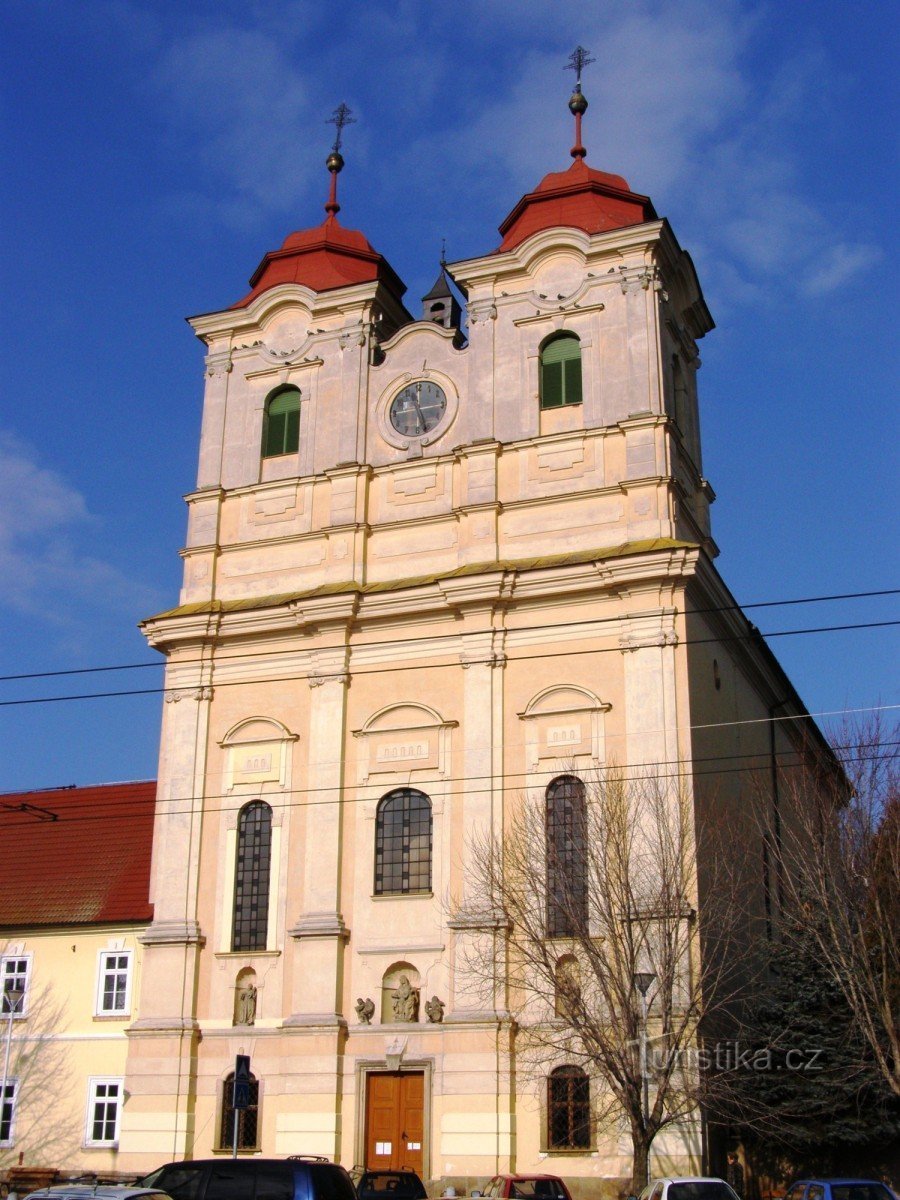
[(335, 160), (339, 118), (578, 60)]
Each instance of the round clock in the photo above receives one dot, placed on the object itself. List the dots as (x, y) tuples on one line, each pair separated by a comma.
[(417, 408)]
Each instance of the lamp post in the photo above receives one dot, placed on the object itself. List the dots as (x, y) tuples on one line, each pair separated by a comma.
[(642, 981), (12, 996)]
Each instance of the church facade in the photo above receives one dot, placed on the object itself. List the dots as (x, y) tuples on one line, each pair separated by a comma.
[(426, 575)]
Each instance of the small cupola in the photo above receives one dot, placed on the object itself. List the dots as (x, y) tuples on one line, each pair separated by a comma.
[(440, 305)]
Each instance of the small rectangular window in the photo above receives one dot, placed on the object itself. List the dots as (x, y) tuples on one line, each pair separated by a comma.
[(114, 992), (104, 1111), (15, 973), (8, 1112)]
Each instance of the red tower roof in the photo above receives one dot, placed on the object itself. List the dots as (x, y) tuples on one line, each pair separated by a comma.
[(328, 256), (580, 197)]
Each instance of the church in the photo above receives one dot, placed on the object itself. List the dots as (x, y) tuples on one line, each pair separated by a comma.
[(434, 563)]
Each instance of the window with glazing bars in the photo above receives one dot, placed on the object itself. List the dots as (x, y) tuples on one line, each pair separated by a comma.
[(114, 972), (561, 372), (568, 1109), (567, 907), (8, 1111), (248, 1118), (251, 878), (281, 426), (403, 843)]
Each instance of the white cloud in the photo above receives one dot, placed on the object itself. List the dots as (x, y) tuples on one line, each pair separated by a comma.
[(837, 265), (42, 519)]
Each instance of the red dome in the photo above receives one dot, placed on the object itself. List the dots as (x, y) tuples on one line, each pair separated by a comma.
[(580, 197), (328, 256)]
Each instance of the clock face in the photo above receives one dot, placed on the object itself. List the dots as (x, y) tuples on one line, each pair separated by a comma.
[(418, 408)]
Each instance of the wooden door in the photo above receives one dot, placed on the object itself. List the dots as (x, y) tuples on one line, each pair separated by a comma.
[(395, 1120)]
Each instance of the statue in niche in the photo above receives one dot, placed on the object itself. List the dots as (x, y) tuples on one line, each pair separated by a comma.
[(365, 1010), (245, 1008), (434, 1010), (405, 1000)]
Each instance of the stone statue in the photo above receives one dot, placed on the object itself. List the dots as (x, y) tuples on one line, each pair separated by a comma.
[(365, 1010), (434, 1010), (245, 1009), (405, 1000)]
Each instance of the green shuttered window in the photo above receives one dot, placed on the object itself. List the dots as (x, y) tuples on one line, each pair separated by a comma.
[(561, 372), (281, 427)]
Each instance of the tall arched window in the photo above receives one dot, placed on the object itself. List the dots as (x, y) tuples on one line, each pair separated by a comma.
[(251, 877), (248, 1118), (568, 1109), (403, 843), (281, 423), (561, 371), (567, 907)]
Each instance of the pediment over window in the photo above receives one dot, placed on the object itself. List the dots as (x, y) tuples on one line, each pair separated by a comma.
[(564, 723), (257, 751), (404, 737)]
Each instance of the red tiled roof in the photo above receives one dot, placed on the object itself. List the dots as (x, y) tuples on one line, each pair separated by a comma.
[(328, 256), (90, 866), (581, 197)]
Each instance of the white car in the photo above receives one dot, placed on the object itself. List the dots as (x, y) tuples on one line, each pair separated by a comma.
[(96, 1191), (688, 1187)]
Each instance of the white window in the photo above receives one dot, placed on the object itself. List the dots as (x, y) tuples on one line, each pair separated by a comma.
[(8, 1112), (114, 984), (104, 1112), (15, 971)]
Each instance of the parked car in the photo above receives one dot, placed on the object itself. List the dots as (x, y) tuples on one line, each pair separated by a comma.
[(688, 1187), (96, 1191), (388, 1185), (526, 1187), (301, 1177), (838, 1189)]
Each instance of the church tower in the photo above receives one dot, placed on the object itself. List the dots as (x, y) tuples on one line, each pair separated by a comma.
[(423, 576)]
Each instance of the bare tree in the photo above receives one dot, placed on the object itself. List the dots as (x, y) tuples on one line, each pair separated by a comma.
[(40, 1072), (840, 857), (596, 887)]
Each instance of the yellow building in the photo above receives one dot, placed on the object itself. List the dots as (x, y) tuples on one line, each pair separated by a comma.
[(71, 913), (426, 574)]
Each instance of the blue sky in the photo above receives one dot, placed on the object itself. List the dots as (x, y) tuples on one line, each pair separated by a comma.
[(154, 151)]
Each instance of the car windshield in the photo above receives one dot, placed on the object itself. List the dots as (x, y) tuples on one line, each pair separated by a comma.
[(176, 1180), (700, 1189), (548, 1189), (393, 1183), (859, 1191)]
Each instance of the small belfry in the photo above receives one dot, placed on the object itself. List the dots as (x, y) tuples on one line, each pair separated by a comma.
[(429, 581)]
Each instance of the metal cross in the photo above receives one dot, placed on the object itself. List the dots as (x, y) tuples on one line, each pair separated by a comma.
[(578, 60), (340, 117)]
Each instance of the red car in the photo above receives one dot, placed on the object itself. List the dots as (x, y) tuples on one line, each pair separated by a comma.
[(527, 1187)]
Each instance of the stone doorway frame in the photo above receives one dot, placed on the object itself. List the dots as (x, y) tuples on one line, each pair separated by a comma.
[(379, 1066)]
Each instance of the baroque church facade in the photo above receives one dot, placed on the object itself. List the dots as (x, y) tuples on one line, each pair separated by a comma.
[(426, 574)]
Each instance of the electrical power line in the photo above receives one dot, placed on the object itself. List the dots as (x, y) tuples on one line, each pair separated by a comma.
[(385, 670), (161, 662)]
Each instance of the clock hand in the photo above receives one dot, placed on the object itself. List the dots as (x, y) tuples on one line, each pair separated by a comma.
[(421, 416)]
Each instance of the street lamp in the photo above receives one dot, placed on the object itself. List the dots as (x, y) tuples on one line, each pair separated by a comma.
[(12, 996), (642, 981)]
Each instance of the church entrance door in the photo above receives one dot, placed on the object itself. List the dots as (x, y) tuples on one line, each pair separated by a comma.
[(395, 1125)]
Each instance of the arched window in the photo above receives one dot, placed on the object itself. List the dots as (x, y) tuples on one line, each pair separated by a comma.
[(403, 843), (248, 1118), (567, 908), (568, 1109), (561, 371), (281, 424), (251, 878)]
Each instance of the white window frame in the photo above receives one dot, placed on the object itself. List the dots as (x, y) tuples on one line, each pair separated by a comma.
[(12, 1084), (6, 961), (103, 971), (95, 1083)]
